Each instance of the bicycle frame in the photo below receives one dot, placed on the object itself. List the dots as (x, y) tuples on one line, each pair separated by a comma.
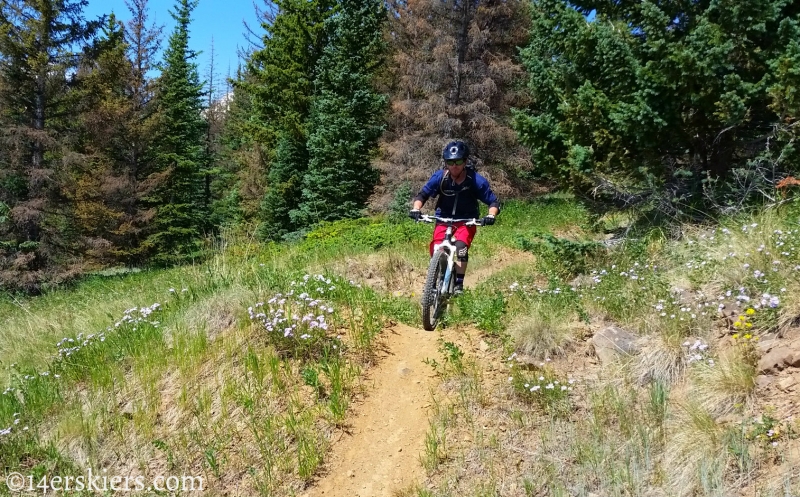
[(439, 287), (448, 245)]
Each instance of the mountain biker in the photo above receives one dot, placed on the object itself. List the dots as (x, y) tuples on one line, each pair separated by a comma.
[(459, 188)]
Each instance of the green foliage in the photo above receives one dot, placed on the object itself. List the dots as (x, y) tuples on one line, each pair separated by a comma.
[(282, 195), (485, 308), (311, 378), (40, 54), (452, 364), (398, 209), (668, 106), (364, 233), (179, 203), (280, 79), (346, 116), (560, 256), (316, 111)]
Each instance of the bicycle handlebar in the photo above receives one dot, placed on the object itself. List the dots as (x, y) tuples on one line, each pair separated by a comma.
[(425, 218)]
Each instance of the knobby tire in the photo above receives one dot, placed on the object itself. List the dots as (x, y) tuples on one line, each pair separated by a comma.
[(431, 300)]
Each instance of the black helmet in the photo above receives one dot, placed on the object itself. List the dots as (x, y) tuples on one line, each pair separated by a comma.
[(455, 150)]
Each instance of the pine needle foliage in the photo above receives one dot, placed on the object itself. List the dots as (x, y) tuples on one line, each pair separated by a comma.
[(179, 223), (454, 73), (683, 107), (346, 117), (280, 80), (40, 43)]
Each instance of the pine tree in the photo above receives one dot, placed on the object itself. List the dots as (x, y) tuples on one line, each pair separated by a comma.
[(242, 154), (454, 75), (39, 52), (280, 80), (659, 104), (180, 212), (98, 185), (346, 117)]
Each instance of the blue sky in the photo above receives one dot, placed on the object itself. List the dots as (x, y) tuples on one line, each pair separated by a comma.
[(219, 19)]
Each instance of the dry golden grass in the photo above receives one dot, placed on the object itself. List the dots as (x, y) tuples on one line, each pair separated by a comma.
[(724, 386), (538, 334), (789, 313), (695, 456), (661, 359)]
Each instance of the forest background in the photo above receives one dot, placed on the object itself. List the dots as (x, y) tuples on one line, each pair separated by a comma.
[(112, 158)]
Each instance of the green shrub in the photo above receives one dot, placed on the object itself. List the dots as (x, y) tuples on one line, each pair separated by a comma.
[(560, 256)]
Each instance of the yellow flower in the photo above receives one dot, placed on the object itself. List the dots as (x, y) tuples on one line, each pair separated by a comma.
[(742, 318), (750, 311), (749, 325), (737, 324), (748, 336), (735, 336)]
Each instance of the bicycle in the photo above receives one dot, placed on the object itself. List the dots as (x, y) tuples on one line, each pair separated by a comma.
[(440, 280)]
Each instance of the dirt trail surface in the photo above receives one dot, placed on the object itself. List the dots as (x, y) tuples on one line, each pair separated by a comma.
[(380, 452)]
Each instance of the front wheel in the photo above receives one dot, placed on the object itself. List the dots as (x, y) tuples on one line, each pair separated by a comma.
[(432, 299)]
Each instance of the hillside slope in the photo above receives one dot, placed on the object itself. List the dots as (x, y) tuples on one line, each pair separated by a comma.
[(570, 366)]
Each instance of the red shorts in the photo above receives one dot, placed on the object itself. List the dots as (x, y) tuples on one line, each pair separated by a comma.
[(463, 233)]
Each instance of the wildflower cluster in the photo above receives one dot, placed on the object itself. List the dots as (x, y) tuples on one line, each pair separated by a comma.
[(745, 339), (76, 356), (542, 386), (297, 322), (697, 351), (14, 427), (685, 311), (131, 318), (535, 292), (743, 323), (767, 431)]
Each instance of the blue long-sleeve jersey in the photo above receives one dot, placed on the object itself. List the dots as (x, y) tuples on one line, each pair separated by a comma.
[(458, 201)]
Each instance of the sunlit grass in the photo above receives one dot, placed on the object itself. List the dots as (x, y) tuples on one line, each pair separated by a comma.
[(201, 384)]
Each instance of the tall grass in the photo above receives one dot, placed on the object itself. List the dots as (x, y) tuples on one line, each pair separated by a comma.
[(679, 418), (202, 382)]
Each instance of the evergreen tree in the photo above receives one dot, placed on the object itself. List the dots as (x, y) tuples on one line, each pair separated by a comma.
[(454, 74), (280, 80), (660, 103), (346, 117), (242, 154), (108, 183), (179, 204), (98, 183), (143, 43), (38, 58)]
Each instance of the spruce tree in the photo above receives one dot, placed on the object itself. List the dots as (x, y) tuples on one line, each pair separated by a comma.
[(40, 47), (346, 117), (179, 205), (108, 182), (98, 184), (144, 42), (454, 74), (242, 155), (661, 104), (280, 81)]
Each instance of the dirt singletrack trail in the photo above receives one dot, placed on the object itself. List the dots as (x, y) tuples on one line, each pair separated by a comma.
[(380, 453)]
